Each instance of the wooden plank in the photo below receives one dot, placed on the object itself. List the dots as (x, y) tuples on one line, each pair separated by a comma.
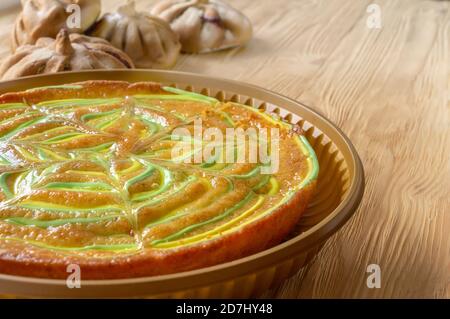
[(388, 89)]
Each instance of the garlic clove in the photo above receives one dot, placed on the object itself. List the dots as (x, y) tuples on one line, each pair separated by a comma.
[(170, 10), (188, 26), (241, 29)]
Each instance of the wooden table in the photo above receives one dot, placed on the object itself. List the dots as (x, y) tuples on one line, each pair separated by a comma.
[(388, 89)]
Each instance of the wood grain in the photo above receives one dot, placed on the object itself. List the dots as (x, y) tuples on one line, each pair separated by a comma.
[(388, 89)]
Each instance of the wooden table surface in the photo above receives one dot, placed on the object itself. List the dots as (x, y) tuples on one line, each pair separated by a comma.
[(388, 89)]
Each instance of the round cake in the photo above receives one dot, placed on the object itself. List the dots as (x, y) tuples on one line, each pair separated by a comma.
[(138, 179)]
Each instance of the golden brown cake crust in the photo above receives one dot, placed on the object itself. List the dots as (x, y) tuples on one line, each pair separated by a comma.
[(91, 89), (19, 258)]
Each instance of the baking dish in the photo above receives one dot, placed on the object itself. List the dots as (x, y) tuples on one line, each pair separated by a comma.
[(339, 192)]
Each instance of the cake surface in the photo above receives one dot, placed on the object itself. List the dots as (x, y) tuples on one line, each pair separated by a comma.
[(88, 176)]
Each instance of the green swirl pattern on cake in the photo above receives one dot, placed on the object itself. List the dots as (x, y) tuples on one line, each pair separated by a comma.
[(80, 175)]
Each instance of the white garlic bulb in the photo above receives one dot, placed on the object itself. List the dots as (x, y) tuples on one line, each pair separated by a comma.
[(205, 25)]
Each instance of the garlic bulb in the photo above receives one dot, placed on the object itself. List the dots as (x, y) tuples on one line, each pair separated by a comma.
[(66, 52), (148, 40), (45, 18), (205, 25)]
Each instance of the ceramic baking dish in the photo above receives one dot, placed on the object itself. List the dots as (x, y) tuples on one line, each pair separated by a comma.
[(339, 191)]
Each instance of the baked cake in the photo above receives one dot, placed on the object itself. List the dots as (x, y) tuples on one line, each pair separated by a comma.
[(88, 177)]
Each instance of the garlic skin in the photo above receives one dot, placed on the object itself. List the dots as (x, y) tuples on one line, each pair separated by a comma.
[(65, 53), (147, 39), (45, 18), (205, 25)]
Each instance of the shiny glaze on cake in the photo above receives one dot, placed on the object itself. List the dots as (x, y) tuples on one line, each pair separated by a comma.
[(86, 177)]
